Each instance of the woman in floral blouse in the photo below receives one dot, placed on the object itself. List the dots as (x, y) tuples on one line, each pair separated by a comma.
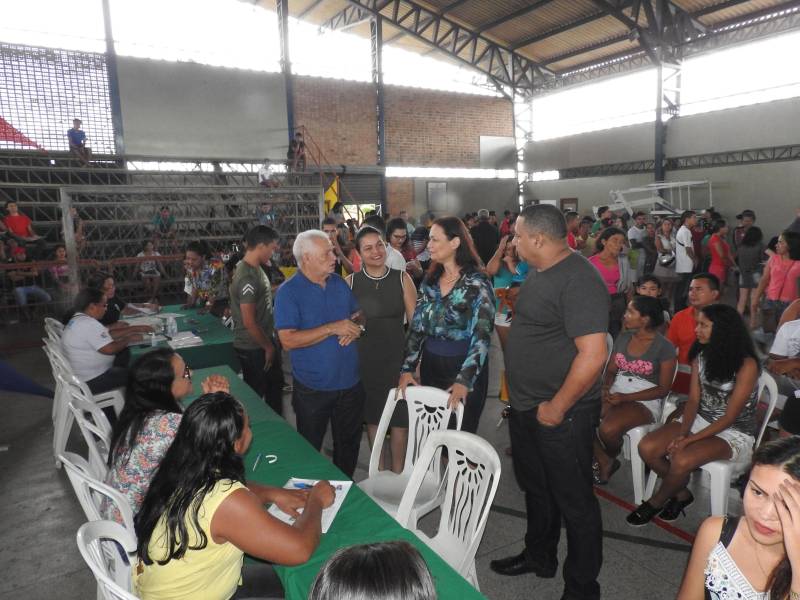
[(451, 330), (157, 382)]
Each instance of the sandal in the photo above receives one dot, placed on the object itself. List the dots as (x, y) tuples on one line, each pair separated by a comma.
[(643, 514), (614, 468), (674, 508)]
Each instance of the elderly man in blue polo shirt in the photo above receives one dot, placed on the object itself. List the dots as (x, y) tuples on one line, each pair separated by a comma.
[(313, 313)]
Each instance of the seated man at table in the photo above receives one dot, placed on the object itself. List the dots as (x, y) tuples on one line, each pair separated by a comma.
[(205, 277), (96, 359), (312, 316)]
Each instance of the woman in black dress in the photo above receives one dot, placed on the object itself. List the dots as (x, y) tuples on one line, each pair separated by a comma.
[(386, 297)]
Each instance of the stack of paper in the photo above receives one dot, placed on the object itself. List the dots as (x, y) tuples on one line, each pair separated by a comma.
[(153, 322), (185, 339), (328, 515)]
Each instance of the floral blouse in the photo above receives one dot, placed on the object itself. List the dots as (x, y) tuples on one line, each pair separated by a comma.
[(466, 313), (132, 476), (207, 282)]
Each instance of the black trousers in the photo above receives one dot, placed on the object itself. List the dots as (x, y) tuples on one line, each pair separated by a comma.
[(553, 466), (681, 301), (441, 371), (259, 582), (343, 408), (267, 383), (115, 377)]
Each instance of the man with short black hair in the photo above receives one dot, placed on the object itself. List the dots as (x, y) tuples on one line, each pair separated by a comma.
[(560, 323), (251, 309), (20, 228), (636, 235), (77, 143), (573, 222), (485, 236)]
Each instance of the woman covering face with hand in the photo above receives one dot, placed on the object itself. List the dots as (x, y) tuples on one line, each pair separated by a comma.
[(756, 555)]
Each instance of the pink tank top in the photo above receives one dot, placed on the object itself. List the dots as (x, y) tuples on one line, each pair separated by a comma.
[(783, 276), (610, 276)]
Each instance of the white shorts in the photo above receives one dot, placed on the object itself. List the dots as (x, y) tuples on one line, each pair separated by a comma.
[(741, 444), (629, 384)]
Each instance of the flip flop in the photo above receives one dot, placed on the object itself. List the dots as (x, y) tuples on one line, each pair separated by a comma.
[(614, 468)]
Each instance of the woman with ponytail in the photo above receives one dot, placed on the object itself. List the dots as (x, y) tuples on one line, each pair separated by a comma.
[(756, 556)]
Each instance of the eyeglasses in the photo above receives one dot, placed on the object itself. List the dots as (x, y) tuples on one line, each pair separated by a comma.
[(187, 372)]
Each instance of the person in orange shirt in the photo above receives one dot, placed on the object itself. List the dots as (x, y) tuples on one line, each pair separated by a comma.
[(703, 290)]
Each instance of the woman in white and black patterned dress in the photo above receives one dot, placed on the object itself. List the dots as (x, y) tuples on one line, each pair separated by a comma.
[(756, 556)]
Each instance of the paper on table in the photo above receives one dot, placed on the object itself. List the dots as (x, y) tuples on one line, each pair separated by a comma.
[(146, 340), (328, 515), (168, 315), (185, 339), (149, 321)]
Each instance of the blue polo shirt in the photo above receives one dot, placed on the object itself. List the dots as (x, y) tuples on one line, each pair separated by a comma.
[(76, 137), (302, 304)]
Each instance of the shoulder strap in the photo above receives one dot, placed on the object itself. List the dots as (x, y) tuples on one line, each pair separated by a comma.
[(729, 526)]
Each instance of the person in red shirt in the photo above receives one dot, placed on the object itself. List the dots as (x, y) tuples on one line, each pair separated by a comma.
[(21, 229), (573, 223), (703, 290)]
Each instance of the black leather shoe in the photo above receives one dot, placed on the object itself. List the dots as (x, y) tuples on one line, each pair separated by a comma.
[(521, 564), (643, 514)]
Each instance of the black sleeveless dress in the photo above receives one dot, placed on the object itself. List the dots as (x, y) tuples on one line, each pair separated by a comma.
[(381, 348)]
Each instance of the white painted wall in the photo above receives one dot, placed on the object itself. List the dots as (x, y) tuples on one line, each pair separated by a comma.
[(469, 195), (176, 109), (590, 191)]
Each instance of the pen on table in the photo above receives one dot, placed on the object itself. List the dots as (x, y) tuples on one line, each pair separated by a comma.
[(255, 464), (302, 486)]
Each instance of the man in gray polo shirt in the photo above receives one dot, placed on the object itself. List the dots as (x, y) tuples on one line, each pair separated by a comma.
[(555, 353)]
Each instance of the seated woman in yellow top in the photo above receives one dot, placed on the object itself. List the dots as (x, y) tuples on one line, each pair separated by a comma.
[(200, 516)]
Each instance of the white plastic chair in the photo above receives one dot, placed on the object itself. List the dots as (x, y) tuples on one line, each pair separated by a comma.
[(54, 329), (113, 579), (93, 424), (427, 412), (92, 492), (722, 472), (472, 478), (630, 448), (62, 416)]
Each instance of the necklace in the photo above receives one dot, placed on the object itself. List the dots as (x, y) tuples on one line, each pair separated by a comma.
[(377, 280)]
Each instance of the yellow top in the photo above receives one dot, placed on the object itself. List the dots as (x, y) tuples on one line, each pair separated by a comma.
[(213, 573)]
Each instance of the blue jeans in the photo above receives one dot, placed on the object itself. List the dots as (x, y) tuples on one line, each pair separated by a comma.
[(22, 293)]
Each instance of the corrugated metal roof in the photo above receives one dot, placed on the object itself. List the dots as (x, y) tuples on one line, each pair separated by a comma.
[(575, 33)]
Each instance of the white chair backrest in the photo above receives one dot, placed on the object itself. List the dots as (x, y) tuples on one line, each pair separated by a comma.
[(55, 353), (766, 381), (94, 539), (96, 497), (472, 477), (91, 420), (53, 328), (427, 412)]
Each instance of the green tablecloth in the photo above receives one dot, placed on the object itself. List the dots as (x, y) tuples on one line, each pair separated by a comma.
[(217, 348), (359, 521)]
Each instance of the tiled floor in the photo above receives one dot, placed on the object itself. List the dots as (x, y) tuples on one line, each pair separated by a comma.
[(39, 514)]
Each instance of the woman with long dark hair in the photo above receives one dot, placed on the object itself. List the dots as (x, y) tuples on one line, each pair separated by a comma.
[(379, 571), (613, 266), (387, 298), (756, 555), (200, 515), (779, 283), (450, 333), (749, 254), (157, 382), (398, 237), (718, 422), (638, 375)]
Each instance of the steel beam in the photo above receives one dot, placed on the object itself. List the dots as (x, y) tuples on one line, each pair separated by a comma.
[(113, 82), (506, 68), (282, 7), (376, 38), (512, 15)]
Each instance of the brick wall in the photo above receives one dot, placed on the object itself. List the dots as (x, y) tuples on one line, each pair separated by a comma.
[(441, 129), (400, 195), (423, 127), (340, 117)]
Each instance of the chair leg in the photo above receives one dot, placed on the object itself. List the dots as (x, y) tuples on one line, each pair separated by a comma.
[(651, 485), (720, 486), (637, 474)]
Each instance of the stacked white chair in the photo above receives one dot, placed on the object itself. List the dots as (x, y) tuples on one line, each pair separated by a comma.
[(53, 329), (722, 472), (428, 412), (96, 541), (472, 477), (62, 416), (92, 422)]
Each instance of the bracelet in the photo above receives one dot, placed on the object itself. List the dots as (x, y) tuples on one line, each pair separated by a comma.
[(794, 595)]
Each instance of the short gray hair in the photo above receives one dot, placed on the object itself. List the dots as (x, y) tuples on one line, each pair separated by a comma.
[(545, 219), (304, 243), (483, 213)]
